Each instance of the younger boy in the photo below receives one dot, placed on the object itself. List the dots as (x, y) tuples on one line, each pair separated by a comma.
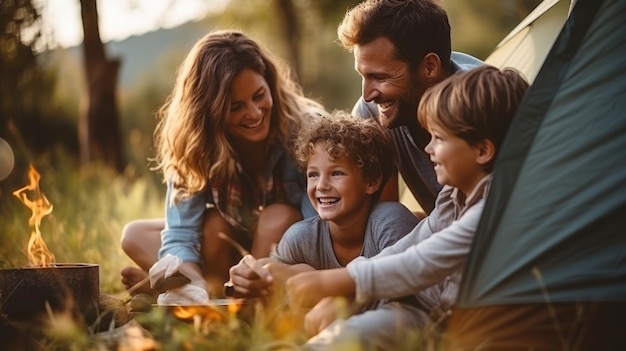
[(467, 117), (346, 162)]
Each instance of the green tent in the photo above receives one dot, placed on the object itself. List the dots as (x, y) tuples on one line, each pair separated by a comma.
[(547, 270), (525, 48)]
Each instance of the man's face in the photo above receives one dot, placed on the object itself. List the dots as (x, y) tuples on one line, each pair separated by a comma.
[(388, 82)]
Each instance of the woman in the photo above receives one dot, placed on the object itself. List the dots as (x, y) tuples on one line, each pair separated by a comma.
[(223, 144)]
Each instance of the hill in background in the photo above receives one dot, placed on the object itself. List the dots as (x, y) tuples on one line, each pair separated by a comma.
[(140, 54)]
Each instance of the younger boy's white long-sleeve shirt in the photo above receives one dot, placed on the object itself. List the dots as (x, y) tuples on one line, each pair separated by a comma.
[(427, 262)]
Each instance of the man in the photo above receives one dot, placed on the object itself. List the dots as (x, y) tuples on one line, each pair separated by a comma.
[(401, 48)]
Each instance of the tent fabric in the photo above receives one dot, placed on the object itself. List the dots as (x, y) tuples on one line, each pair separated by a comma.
[(527, 45), (554, 224)]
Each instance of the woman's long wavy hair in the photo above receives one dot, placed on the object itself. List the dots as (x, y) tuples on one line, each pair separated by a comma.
[(192, 146)]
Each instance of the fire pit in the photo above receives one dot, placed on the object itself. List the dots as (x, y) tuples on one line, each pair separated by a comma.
[(65, 287)]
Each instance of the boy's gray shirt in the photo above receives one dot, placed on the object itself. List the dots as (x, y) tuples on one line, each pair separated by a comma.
[(309, 241), (412, 162), (428, 262)]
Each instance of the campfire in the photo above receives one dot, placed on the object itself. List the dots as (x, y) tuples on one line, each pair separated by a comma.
[(43, 285), (38, 253)]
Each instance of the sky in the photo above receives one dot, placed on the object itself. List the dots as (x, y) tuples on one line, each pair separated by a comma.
[(120, 19)]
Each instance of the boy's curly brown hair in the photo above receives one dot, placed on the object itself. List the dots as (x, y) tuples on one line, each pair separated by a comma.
[(363, 141)]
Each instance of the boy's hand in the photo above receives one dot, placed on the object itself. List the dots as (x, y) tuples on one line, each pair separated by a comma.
[(308, 288), (324, 313), (249, 278), (281, 271), (304, 289)]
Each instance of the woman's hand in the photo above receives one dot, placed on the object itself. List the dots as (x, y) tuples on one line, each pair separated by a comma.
[(308, 288), (194, 273)]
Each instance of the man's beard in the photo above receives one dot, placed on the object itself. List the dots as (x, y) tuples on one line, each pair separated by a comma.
[(406, 115)]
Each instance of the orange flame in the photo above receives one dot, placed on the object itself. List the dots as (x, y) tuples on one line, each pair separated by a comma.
[(217, 311), (206, 312), (38, 253)]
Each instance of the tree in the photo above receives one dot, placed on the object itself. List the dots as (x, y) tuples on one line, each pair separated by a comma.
[(292, 17), (291, 32), (99, 126), (18, 64)]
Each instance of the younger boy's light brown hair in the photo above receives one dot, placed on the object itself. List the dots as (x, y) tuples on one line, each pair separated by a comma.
[(474, 105), (363, 142)]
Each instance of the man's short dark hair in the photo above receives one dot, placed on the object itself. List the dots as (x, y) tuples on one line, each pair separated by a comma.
[(414, 27)]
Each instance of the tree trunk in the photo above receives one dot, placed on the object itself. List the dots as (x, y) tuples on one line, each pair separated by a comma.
[(99, 126), (291, 33)]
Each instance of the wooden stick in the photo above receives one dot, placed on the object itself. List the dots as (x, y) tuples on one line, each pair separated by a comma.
[(174, 281), (135, 287), (228, 239), (229, 288), (139, 284)]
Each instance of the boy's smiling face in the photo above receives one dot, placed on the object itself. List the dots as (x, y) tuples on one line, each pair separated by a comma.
[(456, 162), (336, 189)]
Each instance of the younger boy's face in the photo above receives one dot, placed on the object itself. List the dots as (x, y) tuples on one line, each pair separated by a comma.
[(455, 160), (337, 189)]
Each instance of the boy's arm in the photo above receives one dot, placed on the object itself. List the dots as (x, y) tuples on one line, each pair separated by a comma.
[(308, 288), (420, 266), (281, 271), (253, 278)]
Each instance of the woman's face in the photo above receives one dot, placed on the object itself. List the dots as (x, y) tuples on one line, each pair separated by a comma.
[(250, 108)]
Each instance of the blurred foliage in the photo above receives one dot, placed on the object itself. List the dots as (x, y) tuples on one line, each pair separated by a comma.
[(42, 94), (335, 85), (478, 26), (29, 115), (17, 58)]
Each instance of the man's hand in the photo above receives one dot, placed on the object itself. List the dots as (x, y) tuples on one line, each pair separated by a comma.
[(250, 278)]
